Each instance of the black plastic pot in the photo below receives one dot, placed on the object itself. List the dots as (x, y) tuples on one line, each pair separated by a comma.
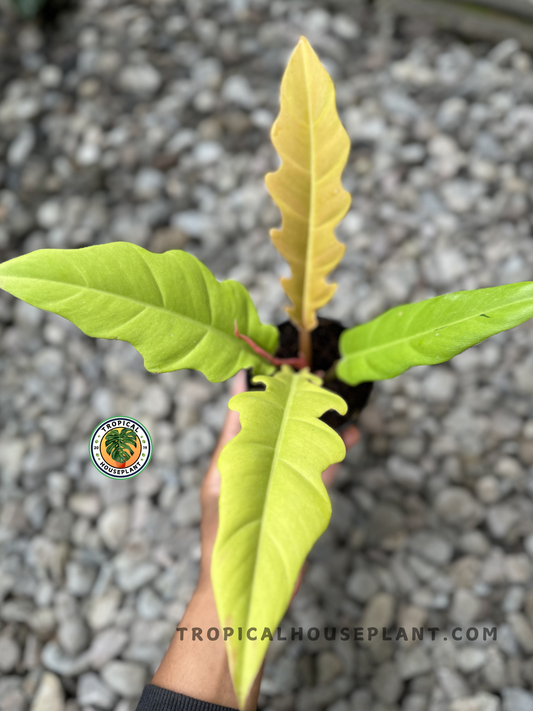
[(325, 342)]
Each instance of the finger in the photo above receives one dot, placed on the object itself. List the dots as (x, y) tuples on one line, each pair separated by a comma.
[(211, 485), (231, 427), (231, 424), (229, 430), (328, 477), (350, 436), (238, 383)]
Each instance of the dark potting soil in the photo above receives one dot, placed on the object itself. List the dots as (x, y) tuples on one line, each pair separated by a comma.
[(325, 342)]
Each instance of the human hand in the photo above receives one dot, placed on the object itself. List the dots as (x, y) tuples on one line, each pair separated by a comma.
[(202, 671)]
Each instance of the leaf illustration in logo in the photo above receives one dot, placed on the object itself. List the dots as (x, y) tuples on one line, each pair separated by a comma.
[(117, 444)]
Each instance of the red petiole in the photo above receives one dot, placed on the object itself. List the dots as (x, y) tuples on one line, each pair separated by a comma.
[(299, 362)]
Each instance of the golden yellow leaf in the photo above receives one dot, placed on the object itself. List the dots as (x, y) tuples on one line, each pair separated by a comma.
[(314, 147)]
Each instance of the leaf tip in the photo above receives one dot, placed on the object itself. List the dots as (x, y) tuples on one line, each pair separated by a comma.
[(241, 701), (304, 44)]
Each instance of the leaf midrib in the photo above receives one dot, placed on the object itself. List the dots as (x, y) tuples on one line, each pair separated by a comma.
[(365, 351), (207, 327), (281, 432), (311, 214)]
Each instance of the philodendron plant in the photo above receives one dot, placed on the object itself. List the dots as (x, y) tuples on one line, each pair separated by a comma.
[(273, 504)]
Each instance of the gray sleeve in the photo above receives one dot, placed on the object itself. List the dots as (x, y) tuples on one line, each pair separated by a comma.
[(154, 698)]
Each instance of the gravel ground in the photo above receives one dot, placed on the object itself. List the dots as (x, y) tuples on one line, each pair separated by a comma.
[(148, 122)]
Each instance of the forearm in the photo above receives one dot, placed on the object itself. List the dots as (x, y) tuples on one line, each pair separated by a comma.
[(200, 668)]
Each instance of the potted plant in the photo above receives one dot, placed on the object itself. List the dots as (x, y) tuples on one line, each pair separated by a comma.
[(119, 443), (311, 373)]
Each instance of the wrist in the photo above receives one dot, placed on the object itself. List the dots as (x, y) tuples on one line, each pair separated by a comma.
[(195, 665)]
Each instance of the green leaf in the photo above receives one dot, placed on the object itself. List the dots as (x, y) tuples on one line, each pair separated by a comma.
[(273, 506), (168, 306), (431, 331)]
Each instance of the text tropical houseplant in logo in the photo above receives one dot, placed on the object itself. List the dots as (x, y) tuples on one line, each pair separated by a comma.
[(311, 372), (120, 448)]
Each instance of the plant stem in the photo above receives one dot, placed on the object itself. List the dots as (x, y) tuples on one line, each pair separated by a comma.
[(305, 346), (298, 362)]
